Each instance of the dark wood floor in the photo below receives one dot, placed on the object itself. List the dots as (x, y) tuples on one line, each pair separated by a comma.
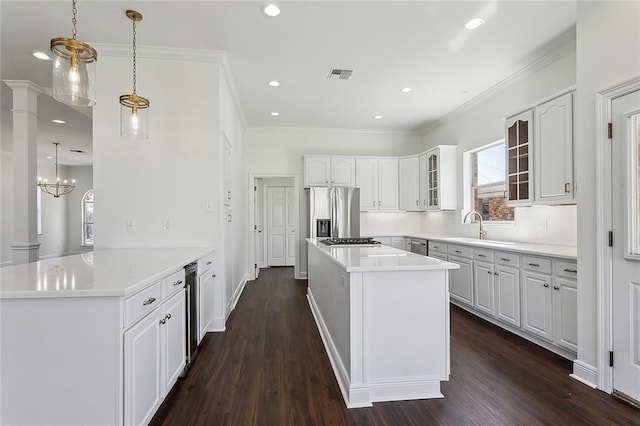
[(270, 368)]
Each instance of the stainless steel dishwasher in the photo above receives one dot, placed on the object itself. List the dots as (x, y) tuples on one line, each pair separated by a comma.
[(419, 246)]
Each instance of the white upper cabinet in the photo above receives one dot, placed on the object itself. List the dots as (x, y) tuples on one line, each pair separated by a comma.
[(518, 137), (387, 184), (329, 171), (553, 151), (409, 184), (343, 171), (422, 180), (367, 181), (441, 178), (317, 171), (377, 179)]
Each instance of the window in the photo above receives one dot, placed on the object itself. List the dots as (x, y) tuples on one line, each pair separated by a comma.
[(87, 218), (488, 183)]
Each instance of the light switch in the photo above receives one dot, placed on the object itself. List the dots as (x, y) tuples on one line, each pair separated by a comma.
[(165, 225), (131, 225)]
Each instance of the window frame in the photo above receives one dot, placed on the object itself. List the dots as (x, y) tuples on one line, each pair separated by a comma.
[(469, 188), (83, 203)]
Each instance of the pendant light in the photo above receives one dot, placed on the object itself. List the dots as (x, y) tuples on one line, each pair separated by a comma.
[(74, 69), (134, 109), (57, 188)]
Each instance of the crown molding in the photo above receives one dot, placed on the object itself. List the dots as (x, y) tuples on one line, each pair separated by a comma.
[(561, 46), (233, 88), (330, 130)]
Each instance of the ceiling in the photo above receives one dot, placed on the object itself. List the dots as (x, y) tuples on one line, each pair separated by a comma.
[(388, 45)]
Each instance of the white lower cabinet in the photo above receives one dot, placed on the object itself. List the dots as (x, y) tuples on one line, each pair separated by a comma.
[(537, 316), (142, 381), (398, 242), (483, 287), (565, 304), (154, 357), (461, 280), (507, 292)]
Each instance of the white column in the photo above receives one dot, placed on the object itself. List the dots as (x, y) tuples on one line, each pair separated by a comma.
[(25, 245)]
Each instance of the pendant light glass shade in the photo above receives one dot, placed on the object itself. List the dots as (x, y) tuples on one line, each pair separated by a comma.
[(134, 109), (134, 117), (74, 69)]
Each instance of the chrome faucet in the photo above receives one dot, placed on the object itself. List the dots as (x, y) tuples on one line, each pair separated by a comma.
[(481, 234)]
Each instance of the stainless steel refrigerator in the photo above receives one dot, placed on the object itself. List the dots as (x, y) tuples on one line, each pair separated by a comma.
[(333, 212)]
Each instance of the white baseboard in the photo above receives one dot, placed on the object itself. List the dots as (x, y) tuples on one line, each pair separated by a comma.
[(585, 373), (236, 296), (303, 276), (404, 391)]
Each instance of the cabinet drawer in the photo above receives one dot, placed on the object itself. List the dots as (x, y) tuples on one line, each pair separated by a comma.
[(504, 258), (437, 246), (537, 264), (172, 284), (138, 305), (461, 251), (205, 263), (566, 269), (483, 255)]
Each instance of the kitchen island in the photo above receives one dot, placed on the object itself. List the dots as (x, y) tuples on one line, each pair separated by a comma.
[(383, 315), (94, 338)]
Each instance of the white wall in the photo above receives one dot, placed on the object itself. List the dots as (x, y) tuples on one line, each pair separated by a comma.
[(84, 182), (172, 175), (483, 123), (390, 223), (608, 40), (280, 151)]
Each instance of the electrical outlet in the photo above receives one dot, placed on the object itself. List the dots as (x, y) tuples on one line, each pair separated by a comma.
[(165, 225), (208, 206), (131, 225), (542, 224)]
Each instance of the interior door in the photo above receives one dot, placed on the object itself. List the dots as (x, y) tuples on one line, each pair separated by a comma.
[(290, 249), (626, 245), (276, 226), (258, 226)]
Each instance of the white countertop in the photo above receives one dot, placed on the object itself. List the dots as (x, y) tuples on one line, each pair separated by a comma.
[(379, 258), (111, 272), (551, 250)]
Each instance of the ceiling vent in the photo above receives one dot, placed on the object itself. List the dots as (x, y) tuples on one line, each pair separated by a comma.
[(338, 74)]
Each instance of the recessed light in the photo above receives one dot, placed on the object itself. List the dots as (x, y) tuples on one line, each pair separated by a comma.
[(406, 89), (59, 121), (474, 23), (41, 55), (49, 157), (271, 10), (377, 117), (275, 113), (273, 83), (78, 151)]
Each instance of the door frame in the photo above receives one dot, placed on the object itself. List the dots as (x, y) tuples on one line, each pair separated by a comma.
[(604, 223), (251, 216)]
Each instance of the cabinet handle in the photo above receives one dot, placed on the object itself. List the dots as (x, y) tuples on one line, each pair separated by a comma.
[(566, 187), (163, 321), (326, 181), (489, 272), (504, 259), (168, 316), (537, 265), (481, 255), (417, 202), (209, 263), (177, 283), (546, 285), (149, 301), (458, 251), (495, 273), (214, 275), (379, 203), (573, 271), (555, 287)]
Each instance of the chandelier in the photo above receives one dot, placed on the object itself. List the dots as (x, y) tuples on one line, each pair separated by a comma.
[(74, 69), (134, 120), (58, 187)]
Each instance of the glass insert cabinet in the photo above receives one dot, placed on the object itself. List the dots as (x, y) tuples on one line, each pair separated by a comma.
[(519, 136)]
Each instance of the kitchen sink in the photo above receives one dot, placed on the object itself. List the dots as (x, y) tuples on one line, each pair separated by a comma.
[(493, 243)]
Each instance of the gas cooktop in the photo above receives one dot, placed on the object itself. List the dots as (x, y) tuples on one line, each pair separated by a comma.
[(351, 241)]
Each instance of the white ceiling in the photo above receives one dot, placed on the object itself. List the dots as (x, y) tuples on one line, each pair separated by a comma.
[(388, 45)]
